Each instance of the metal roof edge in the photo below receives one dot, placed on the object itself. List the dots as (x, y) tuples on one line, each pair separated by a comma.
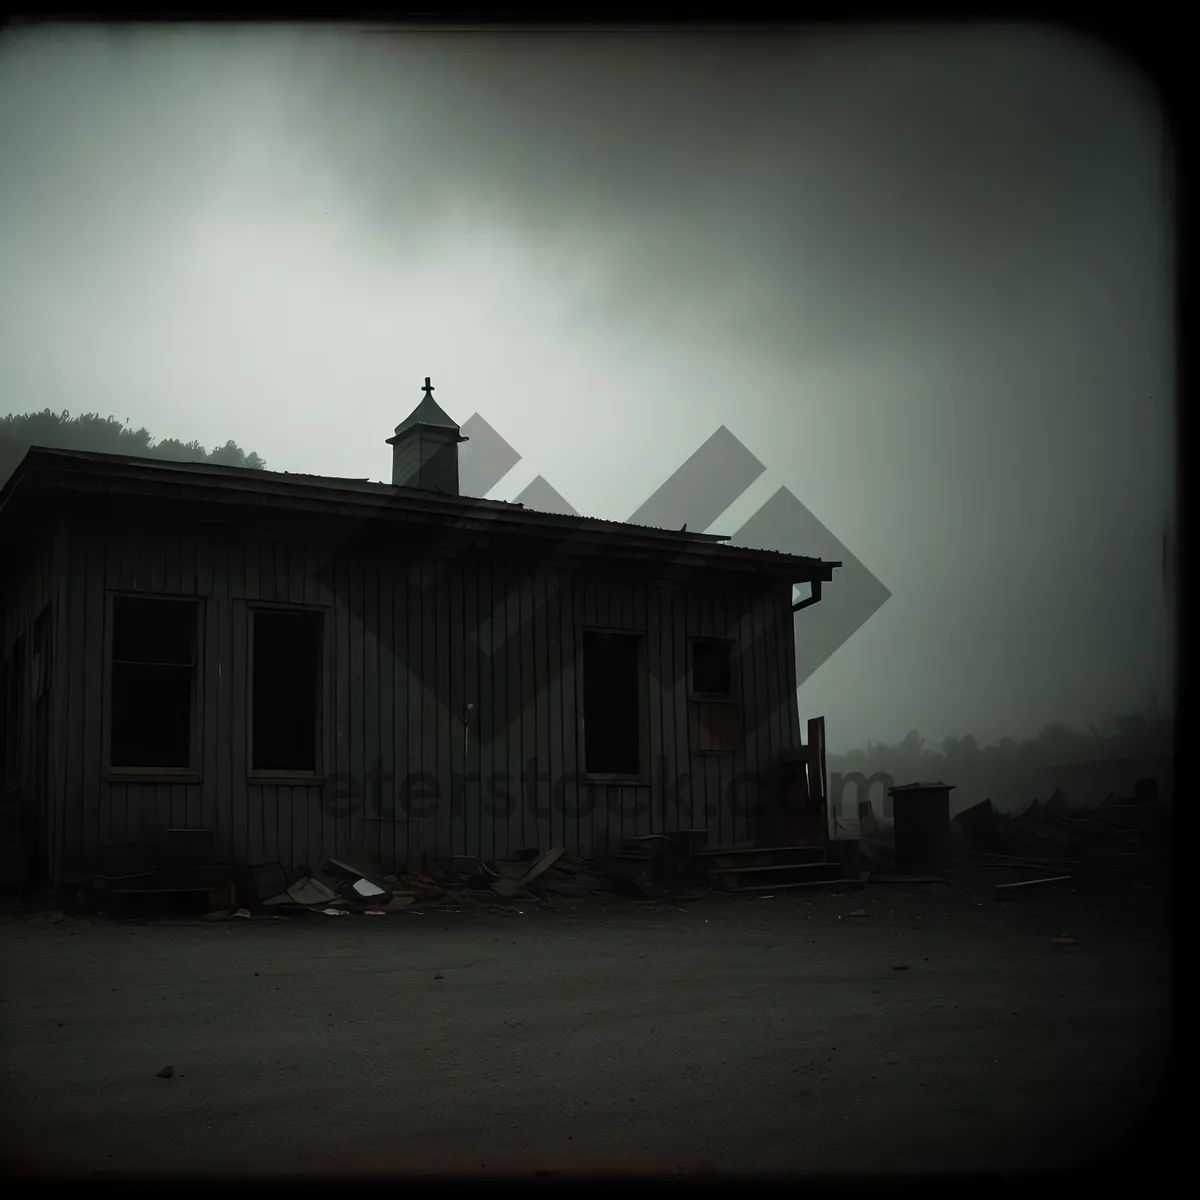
[(380, 499)]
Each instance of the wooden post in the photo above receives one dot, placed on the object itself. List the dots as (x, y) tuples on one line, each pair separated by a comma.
[(818, 780)]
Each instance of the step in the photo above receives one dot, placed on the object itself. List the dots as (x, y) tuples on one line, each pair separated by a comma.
[(766, 856), (738, 878)]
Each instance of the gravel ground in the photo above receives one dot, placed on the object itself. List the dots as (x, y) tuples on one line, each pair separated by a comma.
[(942, 1031)]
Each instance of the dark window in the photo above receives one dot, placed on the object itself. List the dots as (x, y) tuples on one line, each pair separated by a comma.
[(612, 742), (285, 691), (153, 683), (712, 668)]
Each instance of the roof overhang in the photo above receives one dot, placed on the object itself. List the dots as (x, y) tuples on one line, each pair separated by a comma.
[(385, 514)]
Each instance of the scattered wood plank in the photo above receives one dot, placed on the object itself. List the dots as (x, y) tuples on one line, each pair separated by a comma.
[(1024, 860), (1007, 889), (991, 866)]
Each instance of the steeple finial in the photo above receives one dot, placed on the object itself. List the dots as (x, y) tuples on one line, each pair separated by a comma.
[(428, 388)]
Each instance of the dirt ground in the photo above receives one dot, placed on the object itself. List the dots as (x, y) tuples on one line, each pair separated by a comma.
[(944, 1031)]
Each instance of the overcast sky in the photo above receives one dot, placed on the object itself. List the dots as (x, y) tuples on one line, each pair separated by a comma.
[(923, 274)]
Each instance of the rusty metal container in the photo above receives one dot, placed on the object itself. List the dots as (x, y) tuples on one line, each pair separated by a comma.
[(921, 826)]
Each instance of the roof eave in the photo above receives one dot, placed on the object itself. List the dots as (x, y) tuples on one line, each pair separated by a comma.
[(230, 487)]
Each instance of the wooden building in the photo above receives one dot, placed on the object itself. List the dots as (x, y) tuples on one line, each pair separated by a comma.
[(318, 667)]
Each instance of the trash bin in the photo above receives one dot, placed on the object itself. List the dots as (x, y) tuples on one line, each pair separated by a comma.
[(921, 826)]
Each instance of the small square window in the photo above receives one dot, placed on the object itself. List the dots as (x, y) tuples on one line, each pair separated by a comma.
[(712, 668)]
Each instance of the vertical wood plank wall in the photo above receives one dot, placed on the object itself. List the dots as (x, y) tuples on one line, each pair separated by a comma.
[(391, 626), (27, 588)]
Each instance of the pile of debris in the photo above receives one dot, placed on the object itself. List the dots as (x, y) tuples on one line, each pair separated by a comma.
[(1114, 831), (531, 875), (647, 869), (340, 887)]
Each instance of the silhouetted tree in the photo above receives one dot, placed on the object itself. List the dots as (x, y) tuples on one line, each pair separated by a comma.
[(1139, 734), (962, 754), (106, 435), (232, 455)]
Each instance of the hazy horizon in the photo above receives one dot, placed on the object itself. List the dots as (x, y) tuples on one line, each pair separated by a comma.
[(924, 275)]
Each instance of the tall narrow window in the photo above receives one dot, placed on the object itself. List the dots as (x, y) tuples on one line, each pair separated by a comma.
[(153, 682), (285, 689), (612, 743)]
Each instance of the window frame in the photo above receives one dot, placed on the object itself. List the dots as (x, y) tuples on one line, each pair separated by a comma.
[(324, 680), (700, 704), (642, 775), (126, 774)]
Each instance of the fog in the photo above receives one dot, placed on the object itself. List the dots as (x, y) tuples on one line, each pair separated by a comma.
[(923, 275)]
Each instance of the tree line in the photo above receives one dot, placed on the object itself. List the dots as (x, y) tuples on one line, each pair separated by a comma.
[(107, 435), (1144, 733)]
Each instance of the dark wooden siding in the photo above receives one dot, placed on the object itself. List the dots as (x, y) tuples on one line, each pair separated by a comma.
[(32, 586), (399, 634)]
